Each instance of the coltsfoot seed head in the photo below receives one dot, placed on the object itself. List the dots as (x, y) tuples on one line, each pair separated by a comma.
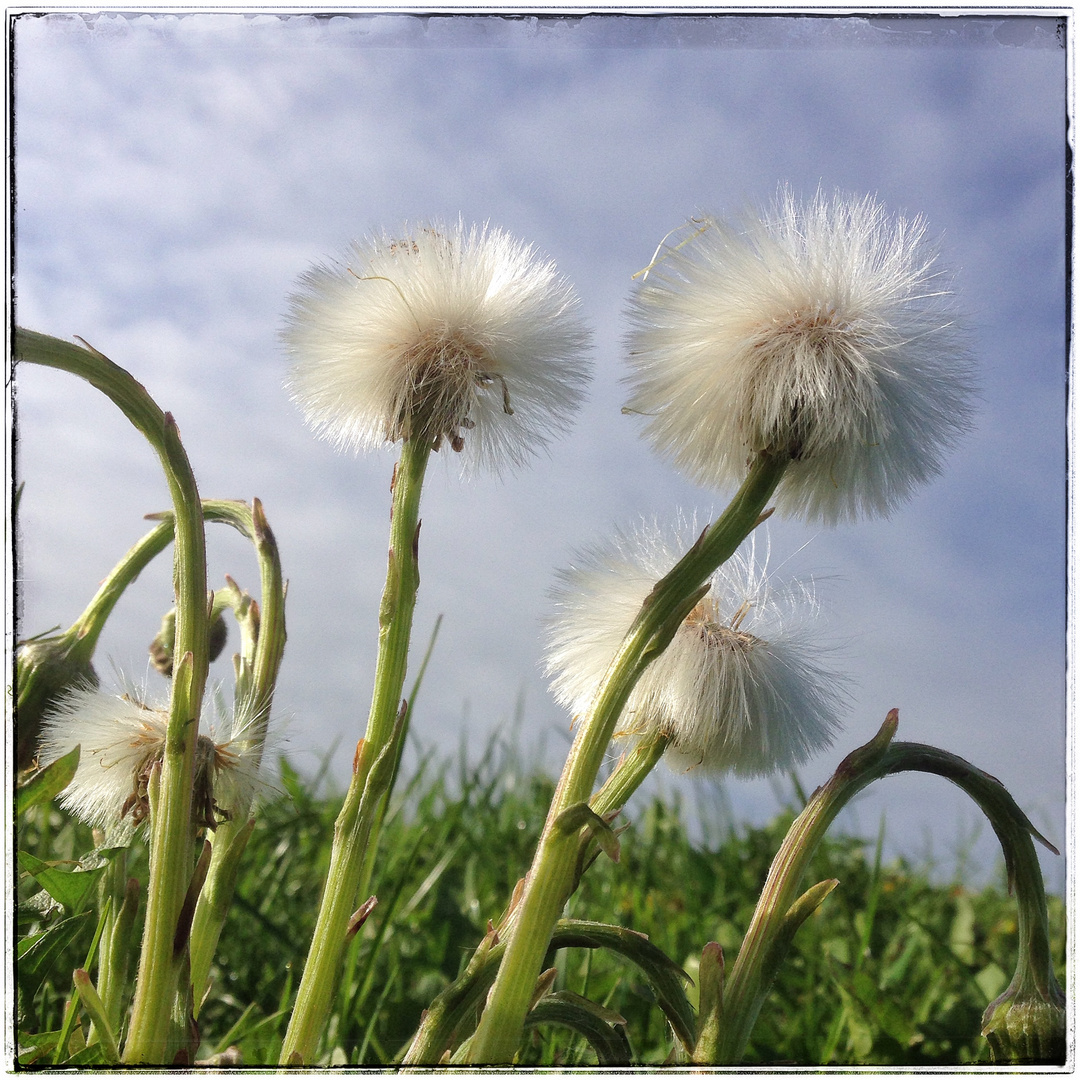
[(743, 685), (462, 336), (822, 332)]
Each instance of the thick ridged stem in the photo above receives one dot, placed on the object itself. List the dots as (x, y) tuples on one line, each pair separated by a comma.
[(373, 766), (171, 835), (551, 877)]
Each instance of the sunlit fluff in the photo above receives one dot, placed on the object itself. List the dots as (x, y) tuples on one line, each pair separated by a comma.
[(741, 686), (461, 336), (123, 738), (824, 332)]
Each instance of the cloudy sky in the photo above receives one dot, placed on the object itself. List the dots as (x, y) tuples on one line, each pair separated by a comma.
[(176, 173)]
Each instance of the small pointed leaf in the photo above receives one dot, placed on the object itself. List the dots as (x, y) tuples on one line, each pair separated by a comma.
[(47, 782), (68, 887), (574, 817), (711, 987)]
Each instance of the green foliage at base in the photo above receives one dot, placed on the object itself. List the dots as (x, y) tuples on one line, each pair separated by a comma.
[(892, 970)]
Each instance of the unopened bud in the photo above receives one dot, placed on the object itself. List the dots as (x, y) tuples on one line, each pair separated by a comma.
[(1024, 1028), (161, 648), (46, 669)]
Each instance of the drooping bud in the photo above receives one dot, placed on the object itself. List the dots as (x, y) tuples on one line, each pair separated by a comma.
[(46, 669), (161, 648), (1026, 1028)]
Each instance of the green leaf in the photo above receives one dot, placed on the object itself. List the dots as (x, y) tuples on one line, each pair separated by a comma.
[(36, 1048), (45, 784), (90, 1055), (664, 975), (37, 954), (68, 887), (601, 1027)]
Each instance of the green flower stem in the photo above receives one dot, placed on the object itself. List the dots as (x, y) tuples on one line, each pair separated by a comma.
[(755, 966), (92, 621), (263, 644), (551, 877), (171, 840), (629, 774), (86, 630), (384, 802), (115, 900), (780, 910), (373, 766), (446, 1012), (113, 963), (215, 898), (48, 666), (263, 630)]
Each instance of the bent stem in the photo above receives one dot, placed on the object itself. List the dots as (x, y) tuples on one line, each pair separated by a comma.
[(262, 630), (171, 839), (441, 1019), (373, 766), (780, 911), (47, 666), (551, 877)]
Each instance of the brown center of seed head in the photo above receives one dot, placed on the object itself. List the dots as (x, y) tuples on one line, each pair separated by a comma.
[(813, 351), (724, 637), (443, 370)]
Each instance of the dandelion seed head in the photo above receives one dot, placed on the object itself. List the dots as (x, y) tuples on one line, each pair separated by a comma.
[(825, 332), (123, 738), (463, 336), (743, 685)]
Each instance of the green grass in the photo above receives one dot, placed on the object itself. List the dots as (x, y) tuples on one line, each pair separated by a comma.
[(892, 970)]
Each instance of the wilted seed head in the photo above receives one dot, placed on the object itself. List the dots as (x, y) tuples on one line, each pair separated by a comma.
[(740, 687), (449, 334), (824, 333), (123, 740)]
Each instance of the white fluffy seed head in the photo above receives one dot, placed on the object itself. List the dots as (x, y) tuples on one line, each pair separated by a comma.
[(742, 686), (825, 332), (461, 335), (123, 738)]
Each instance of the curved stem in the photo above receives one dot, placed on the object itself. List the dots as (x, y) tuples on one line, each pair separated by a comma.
[(171, 861), (432, 1038), (92, 621), (46, 667), (256, 681), (373, 766), (551, 877), (779, 912)]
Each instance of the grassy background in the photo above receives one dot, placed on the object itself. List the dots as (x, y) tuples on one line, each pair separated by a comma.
[(891, 970)]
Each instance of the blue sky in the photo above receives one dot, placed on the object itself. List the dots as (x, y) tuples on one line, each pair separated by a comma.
[(176, 173)]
